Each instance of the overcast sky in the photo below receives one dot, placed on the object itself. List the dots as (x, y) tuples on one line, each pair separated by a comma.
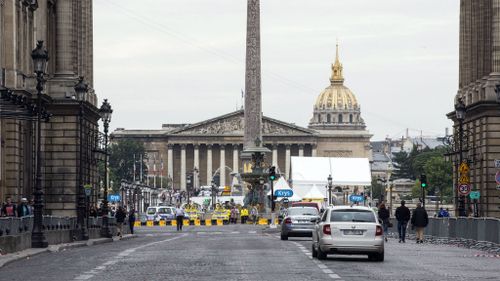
[(183, 61)]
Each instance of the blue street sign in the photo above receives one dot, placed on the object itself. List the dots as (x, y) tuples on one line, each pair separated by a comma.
[(283, 193), (356, 198), (114, 197)]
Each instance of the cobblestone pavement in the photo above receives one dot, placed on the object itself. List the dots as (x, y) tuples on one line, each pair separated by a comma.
[(244, 252)]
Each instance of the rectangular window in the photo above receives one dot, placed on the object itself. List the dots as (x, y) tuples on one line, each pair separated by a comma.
[(352, 215)]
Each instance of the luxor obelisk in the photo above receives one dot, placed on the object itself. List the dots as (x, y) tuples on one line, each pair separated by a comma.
[(253, 151)]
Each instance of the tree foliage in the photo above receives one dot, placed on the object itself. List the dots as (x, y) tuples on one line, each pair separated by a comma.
[(121, 161)]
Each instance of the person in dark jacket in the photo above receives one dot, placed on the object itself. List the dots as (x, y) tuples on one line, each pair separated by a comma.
[(403, 216), (419, 220), (120, 219), (384, 215), (131, 220), (23, 209)]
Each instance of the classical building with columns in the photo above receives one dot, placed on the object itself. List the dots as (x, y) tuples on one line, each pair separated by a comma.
[(66, 27), (479, 77), (214, 146)]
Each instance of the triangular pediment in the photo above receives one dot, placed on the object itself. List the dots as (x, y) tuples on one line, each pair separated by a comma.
[(233, 124)]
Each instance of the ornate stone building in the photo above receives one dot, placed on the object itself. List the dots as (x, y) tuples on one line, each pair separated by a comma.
[(66, 27), (479, 75), (214, 146)]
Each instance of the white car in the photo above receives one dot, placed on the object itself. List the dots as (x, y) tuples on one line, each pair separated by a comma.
[(349, 230)]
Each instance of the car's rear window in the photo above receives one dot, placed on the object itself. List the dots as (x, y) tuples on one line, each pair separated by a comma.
[(151, 211), (349, 215), (164, 211), (307, 211)]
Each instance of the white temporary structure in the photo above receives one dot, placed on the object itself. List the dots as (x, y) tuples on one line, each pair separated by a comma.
[(310, 171), (314, 193)]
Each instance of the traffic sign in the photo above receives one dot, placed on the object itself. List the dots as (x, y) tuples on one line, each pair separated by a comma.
[(356, 198), (497, 177), (497, 163), (114, 197), (464, 168), (283, 193), (464, 179), (88, 192), (464, 189), (285, 200), (474, 195)]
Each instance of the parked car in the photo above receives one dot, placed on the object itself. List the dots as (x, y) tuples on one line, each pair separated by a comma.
[(351, 230), (298, 222), (157, 213)]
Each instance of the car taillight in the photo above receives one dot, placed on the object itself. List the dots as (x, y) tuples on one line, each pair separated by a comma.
[(379, 231), (327, 229), (288, 221)]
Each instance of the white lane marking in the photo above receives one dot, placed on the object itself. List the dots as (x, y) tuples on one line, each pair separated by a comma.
[(235, 232), (328, 271), (322, 266), (334, 276), (325, 268), (252, 232), (120, 255)]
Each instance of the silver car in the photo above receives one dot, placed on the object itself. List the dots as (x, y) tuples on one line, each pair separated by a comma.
[(351, 230), (298, 222)]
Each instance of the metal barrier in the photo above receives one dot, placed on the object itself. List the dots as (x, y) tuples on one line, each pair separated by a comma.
[(478, 229)]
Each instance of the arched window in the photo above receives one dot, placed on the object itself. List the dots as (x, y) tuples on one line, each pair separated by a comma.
[(328, 118), (340, 118), (350, 118)]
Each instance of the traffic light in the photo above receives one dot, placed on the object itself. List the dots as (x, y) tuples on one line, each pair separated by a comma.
[(217, 180), (272, 173), (423, 181), (189, 181)]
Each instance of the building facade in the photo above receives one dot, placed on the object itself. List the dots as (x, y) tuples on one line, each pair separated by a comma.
[(66, 27), (213, 147), (479, 75)]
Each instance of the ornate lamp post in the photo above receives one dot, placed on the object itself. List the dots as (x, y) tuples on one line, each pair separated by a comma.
[(106, 113), (40, 58), (330, 186), (81, 89), (460, 111)]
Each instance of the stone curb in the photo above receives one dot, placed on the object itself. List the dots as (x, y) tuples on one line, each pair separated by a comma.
[(10, 258)]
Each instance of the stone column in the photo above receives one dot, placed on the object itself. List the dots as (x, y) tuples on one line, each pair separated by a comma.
[(209, 164), (301, 150), (183, 167), (196, 159), (236, 158), (253, 96), (275, 155), (287, 162), (64, 39), (222, 169), (314, 150), (170, 162)]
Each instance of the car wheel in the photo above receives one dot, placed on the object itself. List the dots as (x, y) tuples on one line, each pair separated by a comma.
[(314, 252), (321, 254), (284, 237)]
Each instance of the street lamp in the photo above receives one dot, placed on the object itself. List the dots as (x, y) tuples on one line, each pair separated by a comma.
[(105, 112), (330, 186), (214, 194), (40, 58), (460, 111), (81, 89)]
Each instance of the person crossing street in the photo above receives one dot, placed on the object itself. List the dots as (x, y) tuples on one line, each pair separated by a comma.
[(403, 216), (179, 216), (419, 220)]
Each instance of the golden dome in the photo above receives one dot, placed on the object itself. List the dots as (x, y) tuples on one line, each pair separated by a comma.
[(336, 96)]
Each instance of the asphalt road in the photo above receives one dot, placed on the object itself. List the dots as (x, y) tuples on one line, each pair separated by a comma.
[(244, 252)]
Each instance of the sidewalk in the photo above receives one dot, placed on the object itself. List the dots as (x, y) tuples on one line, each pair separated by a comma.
[(26, 254)]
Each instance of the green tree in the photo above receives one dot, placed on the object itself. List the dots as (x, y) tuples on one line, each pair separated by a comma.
[(377, 188), (402, 165), (121, 161), (440, 176)]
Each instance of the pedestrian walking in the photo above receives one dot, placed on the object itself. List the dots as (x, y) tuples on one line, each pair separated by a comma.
[(402, 216), (9, 209), (254, 213), (131, 220), (120, 219), (419, 220), (23, 209), (384, 215), (179, 216)]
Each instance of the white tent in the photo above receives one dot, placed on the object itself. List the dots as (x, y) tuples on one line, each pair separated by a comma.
[(314, 193), (310, 171)]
